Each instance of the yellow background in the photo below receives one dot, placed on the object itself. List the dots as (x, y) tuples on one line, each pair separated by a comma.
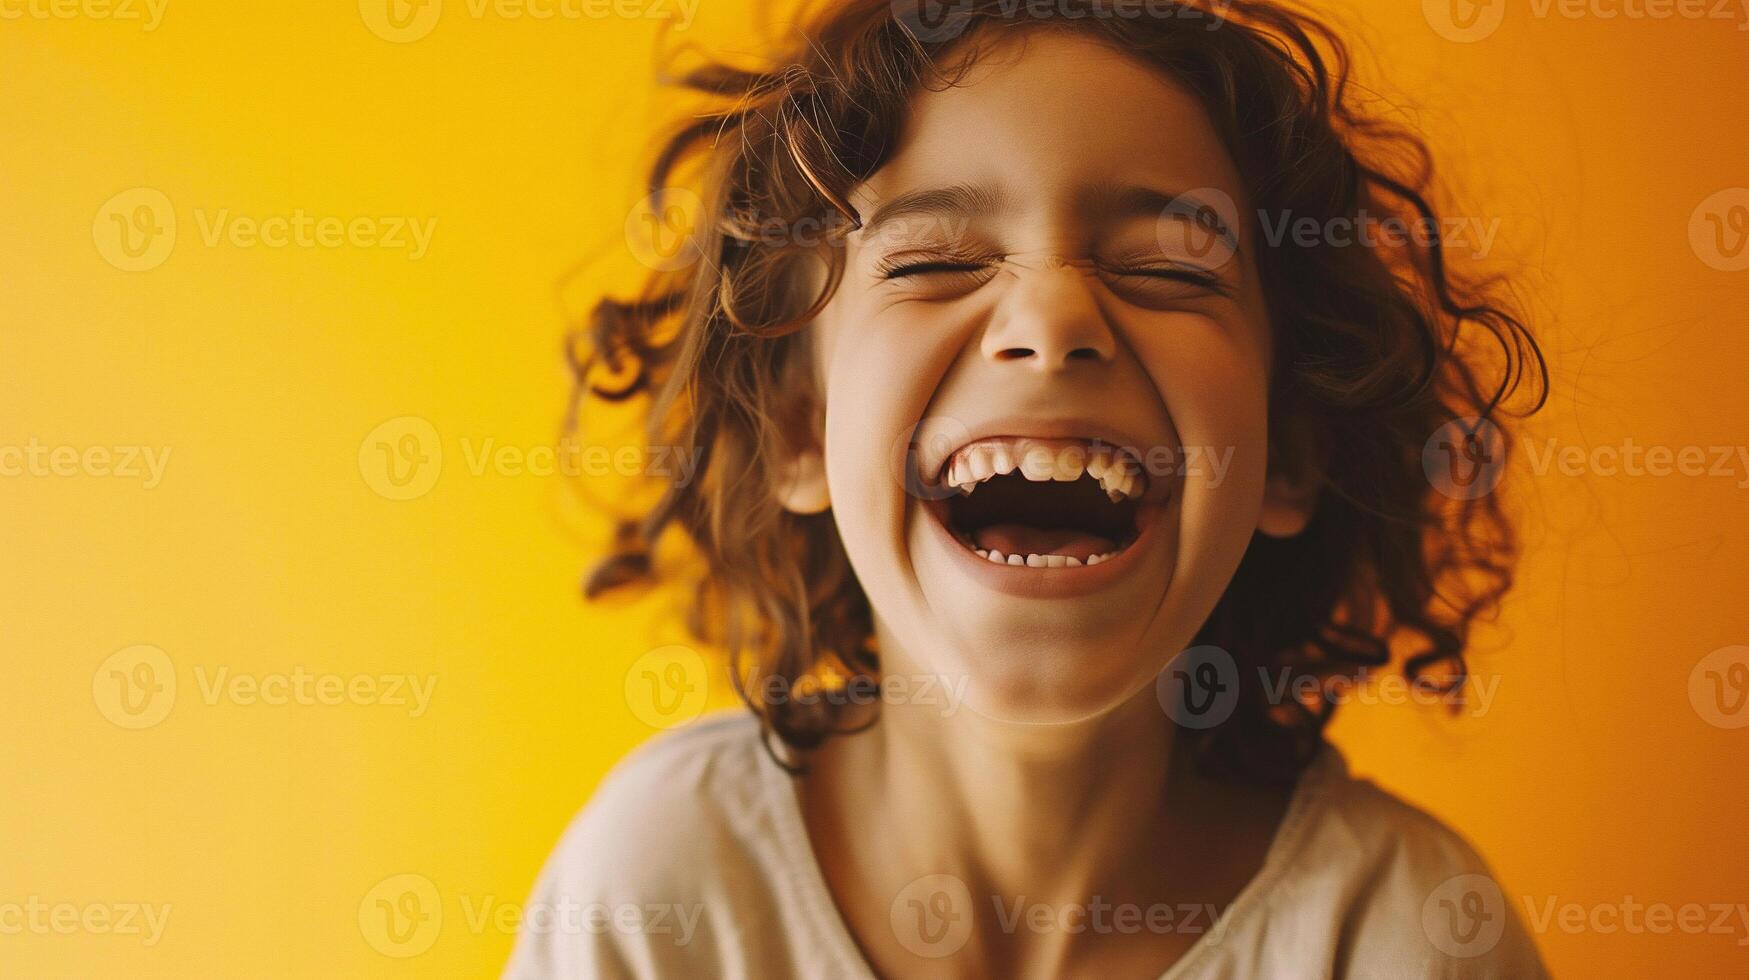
[(266, 548)]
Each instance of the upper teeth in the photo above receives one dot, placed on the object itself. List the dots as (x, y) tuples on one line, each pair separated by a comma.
[(1042, 461)]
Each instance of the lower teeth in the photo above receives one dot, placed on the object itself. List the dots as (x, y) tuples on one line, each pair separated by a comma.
[(1042, 561)]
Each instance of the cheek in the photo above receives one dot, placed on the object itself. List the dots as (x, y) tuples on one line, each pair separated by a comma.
[(880, 372), (1213, 379)]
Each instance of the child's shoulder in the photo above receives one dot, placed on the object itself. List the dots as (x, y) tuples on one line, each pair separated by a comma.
[(688, 793), (1362, 821), (699, 762), (1374, 863), (685, 845)]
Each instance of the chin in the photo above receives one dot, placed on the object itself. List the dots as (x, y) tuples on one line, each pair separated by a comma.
[(1053, 641)]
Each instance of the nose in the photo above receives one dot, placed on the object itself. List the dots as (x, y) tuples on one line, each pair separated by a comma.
[(1049, 321)]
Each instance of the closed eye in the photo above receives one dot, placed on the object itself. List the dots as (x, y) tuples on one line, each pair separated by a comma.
[(925, 268), (1189, 275)]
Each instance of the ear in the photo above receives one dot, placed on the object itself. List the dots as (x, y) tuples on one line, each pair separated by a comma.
[(1290, 492), (798, 472), (800, 482), (1288, 503)]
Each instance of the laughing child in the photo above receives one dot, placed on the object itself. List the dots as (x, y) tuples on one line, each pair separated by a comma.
[(1006, 392)]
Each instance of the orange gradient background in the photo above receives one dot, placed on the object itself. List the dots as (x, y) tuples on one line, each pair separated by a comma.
[(269, 548)]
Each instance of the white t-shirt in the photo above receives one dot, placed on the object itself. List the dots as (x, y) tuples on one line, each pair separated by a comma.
[(692, 860)]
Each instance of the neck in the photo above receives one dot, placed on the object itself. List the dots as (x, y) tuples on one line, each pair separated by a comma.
[(1046, 811), (1065, 816)]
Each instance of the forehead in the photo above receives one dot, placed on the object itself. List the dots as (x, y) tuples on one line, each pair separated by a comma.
[(1042, 117)]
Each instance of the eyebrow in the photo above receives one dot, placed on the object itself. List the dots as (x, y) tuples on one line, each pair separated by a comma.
[(1108, 199), (958, 200)]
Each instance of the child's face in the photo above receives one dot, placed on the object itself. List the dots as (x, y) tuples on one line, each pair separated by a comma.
[(1059, 310)]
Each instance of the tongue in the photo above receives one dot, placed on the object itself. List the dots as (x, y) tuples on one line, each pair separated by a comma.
[(1018, 539)]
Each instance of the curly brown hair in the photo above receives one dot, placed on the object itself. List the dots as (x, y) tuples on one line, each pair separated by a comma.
[(1376, 349)]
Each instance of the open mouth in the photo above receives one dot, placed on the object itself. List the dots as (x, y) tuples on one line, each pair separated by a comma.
[(1042, 503)]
